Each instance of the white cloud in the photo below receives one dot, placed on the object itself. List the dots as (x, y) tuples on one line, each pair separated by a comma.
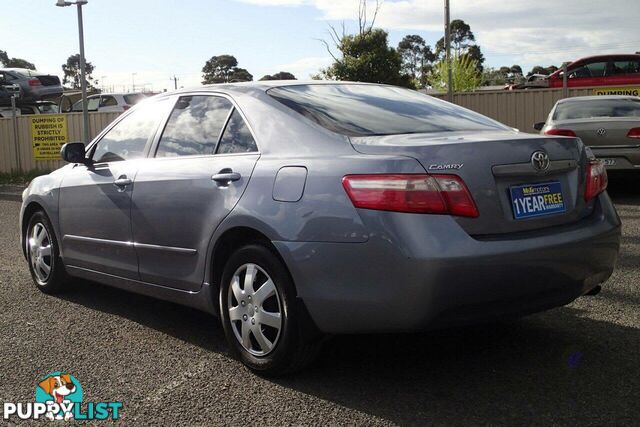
[(520, 31)]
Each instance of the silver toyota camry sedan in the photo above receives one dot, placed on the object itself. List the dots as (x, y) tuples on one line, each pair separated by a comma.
[(295, 210)]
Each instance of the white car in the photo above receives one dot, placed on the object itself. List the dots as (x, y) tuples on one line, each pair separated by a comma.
[(110, 102)]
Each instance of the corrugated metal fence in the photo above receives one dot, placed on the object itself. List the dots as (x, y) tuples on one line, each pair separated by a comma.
[(519, 109), (8, 159)]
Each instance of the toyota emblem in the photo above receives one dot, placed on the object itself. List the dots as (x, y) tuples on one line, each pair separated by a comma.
[(601, 132), (540, 161)]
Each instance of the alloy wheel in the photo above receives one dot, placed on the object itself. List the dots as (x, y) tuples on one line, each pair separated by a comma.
[(255, 309), (40, 252)]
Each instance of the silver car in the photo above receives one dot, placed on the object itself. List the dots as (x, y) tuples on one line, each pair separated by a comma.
[(609, 125), (34, 86), (294, 210)]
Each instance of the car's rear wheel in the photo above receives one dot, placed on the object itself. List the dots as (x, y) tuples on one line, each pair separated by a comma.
[(262, 324), (43, 255)]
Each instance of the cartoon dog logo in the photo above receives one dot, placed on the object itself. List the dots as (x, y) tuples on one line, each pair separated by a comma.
[(57, 388)]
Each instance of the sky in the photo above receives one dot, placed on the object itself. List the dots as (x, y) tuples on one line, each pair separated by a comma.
[(146, 42)]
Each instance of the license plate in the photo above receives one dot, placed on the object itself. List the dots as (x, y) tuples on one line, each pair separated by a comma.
[(533, 200), (609, 162)]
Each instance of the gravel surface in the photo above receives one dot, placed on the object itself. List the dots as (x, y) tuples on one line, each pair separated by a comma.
[(169, 365)]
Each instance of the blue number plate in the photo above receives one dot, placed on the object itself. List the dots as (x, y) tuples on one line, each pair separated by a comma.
[(533, 200)]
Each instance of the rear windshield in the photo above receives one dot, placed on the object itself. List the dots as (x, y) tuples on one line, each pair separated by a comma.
[(133, 98), (367, 110), (597, 108)]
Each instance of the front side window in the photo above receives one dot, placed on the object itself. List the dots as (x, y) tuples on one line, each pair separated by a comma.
[(595, 69), (237, 137), (128, 138), (369, 110), (194, 126), (597, 108), (108, 101)]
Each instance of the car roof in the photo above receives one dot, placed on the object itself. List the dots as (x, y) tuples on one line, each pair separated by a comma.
[(263, 85), (596, 57), (594, 97)]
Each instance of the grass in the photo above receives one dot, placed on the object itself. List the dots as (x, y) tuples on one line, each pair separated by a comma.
[(20, 178)]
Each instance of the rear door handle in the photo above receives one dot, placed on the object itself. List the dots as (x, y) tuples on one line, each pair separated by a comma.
[(226, 176)]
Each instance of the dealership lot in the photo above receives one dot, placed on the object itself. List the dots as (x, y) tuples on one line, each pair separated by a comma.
[(169, 364)]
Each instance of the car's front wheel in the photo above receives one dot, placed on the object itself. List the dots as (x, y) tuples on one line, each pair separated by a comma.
[(43, 255), (261, 321)]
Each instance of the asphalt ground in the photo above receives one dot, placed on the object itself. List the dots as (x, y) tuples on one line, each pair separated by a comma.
[(170, 365)]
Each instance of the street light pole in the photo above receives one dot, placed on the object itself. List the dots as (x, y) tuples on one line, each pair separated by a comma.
[(83, 80), (447, 47)]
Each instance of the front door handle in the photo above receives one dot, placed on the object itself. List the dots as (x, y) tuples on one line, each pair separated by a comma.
[(122, 182), (225, 176)]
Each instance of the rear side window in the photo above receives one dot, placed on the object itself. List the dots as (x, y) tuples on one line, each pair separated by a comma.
[(367, 110), (597, 108), (237, 137), (128, 138), (134, 98), (626, 67), (194, 126)]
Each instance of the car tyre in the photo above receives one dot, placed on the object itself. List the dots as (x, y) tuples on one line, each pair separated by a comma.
[(43, 255), (264, 322)]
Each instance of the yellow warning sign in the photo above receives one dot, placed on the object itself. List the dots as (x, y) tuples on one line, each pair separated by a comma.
[(48, 134), (629, 90)]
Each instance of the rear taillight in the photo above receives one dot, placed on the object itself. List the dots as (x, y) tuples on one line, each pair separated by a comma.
[(125, 107), (432, 194), (634, 133), (560, 132), (597, 179), (35, 82)]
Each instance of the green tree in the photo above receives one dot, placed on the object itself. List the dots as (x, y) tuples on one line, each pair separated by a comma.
[(416, 58), (71, 72), (365, 56), (282, 75), (224, 69), (516, 69), (464, 70), (461, 37), (15, 62), (463, 42)]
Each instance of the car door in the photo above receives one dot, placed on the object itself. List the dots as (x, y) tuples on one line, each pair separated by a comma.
[(589, 74), (203, 161), (95, 200), (623, 71)]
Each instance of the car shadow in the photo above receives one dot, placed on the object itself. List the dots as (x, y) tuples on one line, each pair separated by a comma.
[(555, 367)]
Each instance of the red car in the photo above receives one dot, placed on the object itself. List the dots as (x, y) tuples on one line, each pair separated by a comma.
[(603, 70)]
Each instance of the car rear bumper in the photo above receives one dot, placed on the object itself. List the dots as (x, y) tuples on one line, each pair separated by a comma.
[(625, 158), (414, 274)]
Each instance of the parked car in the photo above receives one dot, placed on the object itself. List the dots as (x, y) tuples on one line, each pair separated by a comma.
[(34, 86), (609, 125), (534, 81), (26, 108), (293, 210), (110, 102), (602, 70)]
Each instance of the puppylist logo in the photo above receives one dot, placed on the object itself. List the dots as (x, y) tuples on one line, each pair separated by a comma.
[(59, 397)]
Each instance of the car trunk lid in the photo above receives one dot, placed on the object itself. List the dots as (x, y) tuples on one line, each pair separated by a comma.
[(604, 132), (491, 164)]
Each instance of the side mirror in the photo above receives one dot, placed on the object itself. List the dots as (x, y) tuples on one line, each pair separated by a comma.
[(74, 152), (538, 126)]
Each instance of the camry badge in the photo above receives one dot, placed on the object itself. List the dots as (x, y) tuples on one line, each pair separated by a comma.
[(540, 161)]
